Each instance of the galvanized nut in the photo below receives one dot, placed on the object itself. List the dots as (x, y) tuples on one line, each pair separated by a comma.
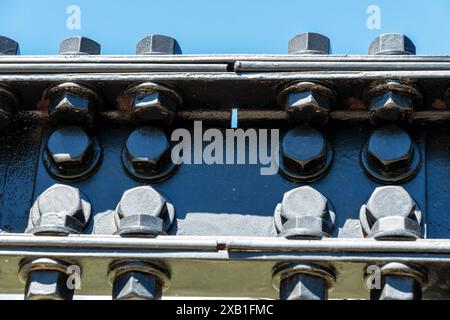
[(391, 213), (390, 155), (156, 44), (309, 43), (47, 279), (59, 210), (9, 46), (392, 44), (306, 154), (398, 281), (143, 212), (304, 213), (138, 280), (72, 103), (303, 281), (307, 102), (9, 105), (147, 154), (153, 103), (71, 153), (79, 46)]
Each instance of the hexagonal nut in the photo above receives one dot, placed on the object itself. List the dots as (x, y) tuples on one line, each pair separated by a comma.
[(304, 202), (156, 44), (305, 228), (71, 103), (141, 225), (148, 150), (308, 106), (47, 285), (304, 149), (390, 201), (391, 107), (9, 46), (392, 44), (309, 43), (397, 288), (57, 223), (70, 149), (390, 149), (395, 227), (79, 46), (142, 200), (303, 287), (153, 107), (136, 286), (59, 209)]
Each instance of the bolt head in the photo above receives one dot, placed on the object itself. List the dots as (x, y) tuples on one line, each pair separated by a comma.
[(309, 43), (397, 288), (9, 46), (304, 149), (79, 46), (148, 150), (136, 286), (67, 107), (390, 149), (391, 107), (395, 227), (308, 106), (156, 44), (392, 44), (390, 201), (143, 201), (153, 107), (70, 148), (303, 287), (47, 285), (61, 200), (302, 202)]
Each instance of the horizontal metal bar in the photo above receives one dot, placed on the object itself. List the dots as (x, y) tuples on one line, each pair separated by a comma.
[(214, 58), (295, 66), (9, 243), (109, 67), (227, 76)]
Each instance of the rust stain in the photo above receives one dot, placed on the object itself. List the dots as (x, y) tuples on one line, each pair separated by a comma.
[(124, 101), (356, 104), (439, 104)]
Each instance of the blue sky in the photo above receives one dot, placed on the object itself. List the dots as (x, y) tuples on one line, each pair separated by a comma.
[(232, 26)]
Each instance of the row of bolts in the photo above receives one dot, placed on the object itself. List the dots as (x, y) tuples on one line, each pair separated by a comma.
[(304, 213)]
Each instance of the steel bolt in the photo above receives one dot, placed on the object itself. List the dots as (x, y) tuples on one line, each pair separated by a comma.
[(9, 46), (305, 214), (389, 213), (148, 151), (142, 211), (304, 151), (59, 210), (399, 282), (71, 103), (392, 44), (71, 152), (391, 107), (156, 44), (153, 107), (390, 149), (307, 102), (9, 105), (309, 43), (138, 280), (136, 286), (303, 281), (46, 279), (79, 46)]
